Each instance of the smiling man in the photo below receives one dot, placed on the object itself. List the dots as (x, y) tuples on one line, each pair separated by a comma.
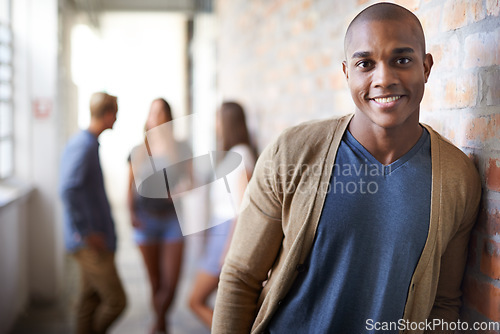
[(366, 229)]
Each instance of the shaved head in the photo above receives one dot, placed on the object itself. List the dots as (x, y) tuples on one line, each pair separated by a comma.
[(385, 11)]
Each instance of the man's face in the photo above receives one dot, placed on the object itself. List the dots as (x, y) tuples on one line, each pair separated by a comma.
[(110, 118), (386, 72)]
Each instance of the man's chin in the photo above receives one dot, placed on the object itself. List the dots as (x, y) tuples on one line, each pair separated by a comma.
[(390, 122)]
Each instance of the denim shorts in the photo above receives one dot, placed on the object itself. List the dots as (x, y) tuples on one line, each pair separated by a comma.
[(156, 229), (217, 239)]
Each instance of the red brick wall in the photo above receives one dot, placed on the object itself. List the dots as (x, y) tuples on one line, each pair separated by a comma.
[(282, 60)]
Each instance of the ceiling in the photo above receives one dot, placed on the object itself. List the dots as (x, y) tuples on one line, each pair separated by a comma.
[(94, 7), (155, 5)]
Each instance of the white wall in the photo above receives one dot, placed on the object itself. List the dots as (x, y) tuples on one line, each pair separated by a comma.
[(140, 57), (13, 261), (203, 53), (30, 239), (37, 142)]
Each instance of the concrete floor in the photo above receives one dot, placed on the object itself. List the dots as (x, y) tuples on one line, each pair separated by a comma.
[(58, 319)]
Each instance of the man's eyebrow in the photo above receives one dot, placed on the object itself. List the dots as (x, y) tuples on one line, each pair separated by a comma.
[(364, 54), (361, 54), (403, 50)]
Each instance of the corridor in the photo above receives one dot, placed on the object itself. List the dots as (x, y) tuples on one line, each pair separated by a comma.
[(58, 319), (282, 60)]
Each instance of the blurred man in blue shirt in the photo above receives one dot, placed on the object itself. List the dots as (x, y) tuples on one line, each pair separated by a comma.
[(89, 228)]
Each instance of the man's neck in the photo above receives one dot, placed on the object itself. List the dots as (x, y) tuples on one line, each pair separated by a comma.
[(386, 144), (95, 128)]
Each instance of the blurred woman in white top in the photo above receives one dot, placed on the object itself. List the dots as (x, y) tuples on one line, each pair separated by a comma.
[(233, 140)]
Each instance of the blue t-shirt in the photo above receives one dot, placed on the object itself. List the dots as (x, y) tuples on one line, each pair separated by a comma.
[(370, 236), (86, 207)]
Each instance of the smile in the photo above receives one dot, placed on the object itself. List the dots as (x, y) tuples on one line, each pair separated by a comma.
[(383, 100)]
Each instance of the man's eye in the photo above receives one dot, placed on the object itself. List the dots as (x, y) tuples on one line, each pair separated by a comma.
[(403, 61), (363, 64)]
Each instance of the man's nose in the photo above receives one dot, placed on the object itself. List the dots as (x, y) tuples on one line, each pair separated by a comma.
[(384, 76)]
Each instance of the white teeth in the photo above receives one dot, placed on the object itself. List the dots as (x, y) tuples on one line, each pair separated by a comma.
[(387, 99)]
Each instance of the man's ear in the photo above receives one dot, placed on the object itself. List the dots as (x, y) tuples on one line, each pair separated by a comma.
[(428, 62), (344, 68)]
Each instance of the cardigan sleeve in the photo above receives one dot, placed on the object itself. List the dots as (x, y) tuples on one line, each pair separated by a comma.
[(255, 246), (448, 295)]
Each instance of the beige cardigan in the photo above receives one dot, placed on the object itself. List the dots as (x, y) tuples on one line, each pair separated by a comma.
[(281, 211)]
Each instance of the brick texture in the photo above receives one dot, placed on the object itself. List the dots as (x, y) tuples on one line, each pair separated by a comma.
[(476, 11), (430, 20), (462, 12), (483, 128), (461, 91), (446, 54), (483, 297), (283, 61), (412, 5), (490, 259), (492, 84), (493, 7), (489, 217), (493, 175), (456, 16), (481, 49)]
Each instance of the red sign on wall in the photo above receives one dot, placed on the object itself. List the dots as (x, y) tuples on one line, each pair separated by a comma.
[(42, 107)]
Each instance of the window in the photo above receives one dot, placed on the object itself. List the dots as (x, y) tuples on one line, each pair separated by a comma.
[(6, 112)]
